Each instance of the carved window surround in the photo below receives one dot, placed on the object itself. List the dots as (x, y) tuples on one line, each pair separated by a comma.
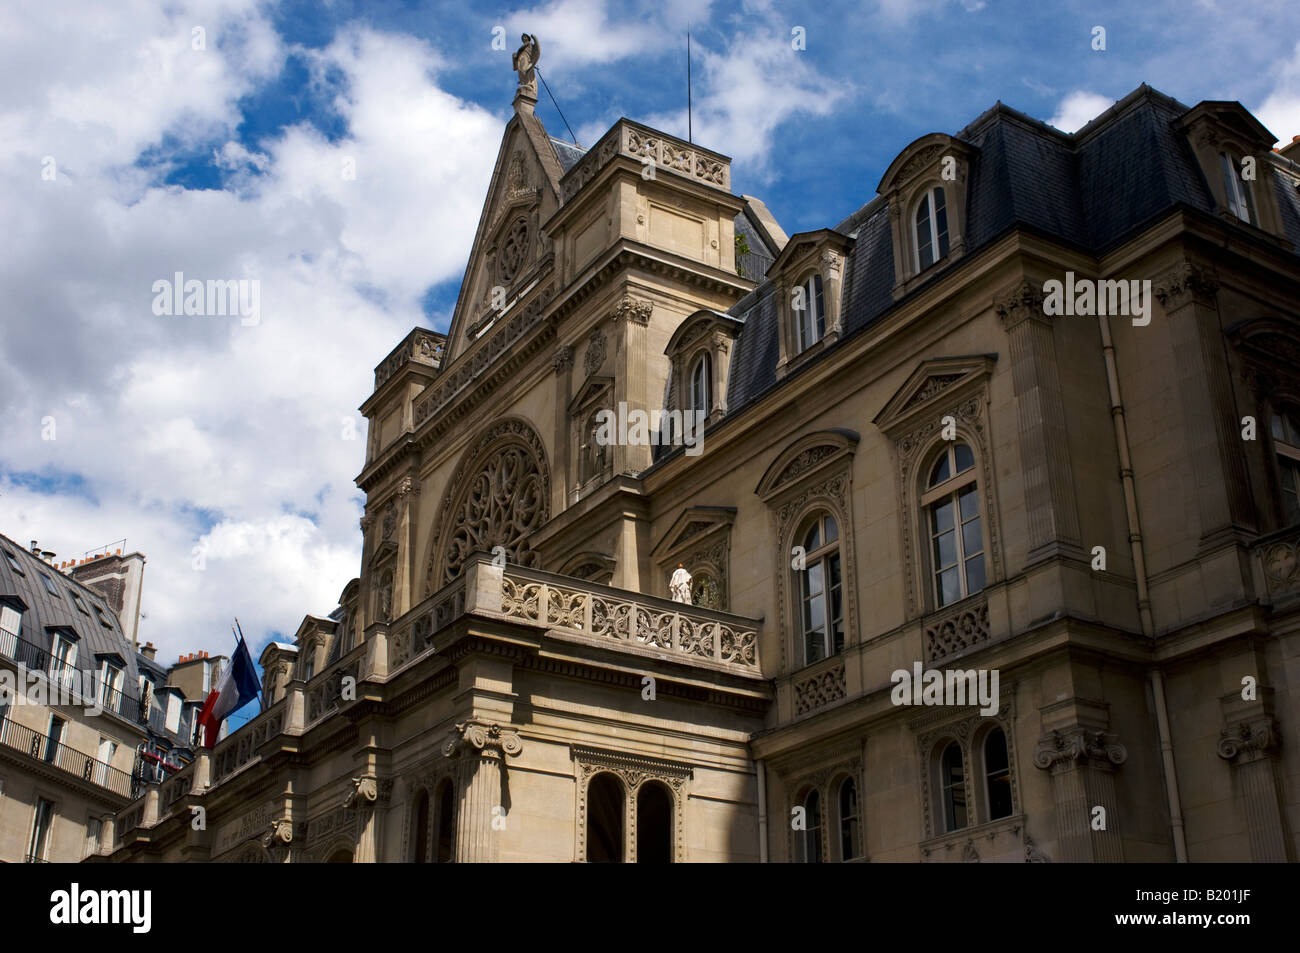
[(592, 464), (815, 472), (700, 539), (825, 778), (912, 419), (632, 770), (914, 172), (1269, 350), (933, 731), (425, 778), (704, 332), (1221, 127), (591, 566), (823, 252)]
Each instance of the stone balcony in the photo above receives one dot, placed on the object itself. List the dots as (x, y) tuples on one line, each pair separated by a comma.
[(631, 139), (576, 611)]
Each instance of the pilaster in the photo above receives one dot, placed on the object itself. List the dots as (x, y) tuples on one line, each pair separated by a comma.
[(480, 749)]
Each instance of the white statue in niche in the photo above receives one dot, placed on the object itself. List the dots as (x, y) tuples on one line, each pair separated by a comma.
[(680, 585)]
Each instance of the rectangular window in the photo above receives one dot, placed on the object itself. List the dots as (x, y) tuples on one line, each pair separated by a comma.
[(49, 585), (13, 563), (63, 657), (55, 737), (76, 601), (41, 823), (110, 688), (93, 827), (11, 624)]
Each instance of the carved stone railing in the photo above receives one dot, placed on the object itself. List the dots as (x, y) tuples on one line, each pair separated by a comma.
[(240, 748), (420, 346), (963, 626), (639, 142), (628, 618), (821, 688), (1277, 561), (565, 605)]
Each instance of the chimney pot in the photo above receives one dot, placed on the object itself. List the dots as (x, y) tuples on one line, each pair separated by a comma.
[(35, 547)]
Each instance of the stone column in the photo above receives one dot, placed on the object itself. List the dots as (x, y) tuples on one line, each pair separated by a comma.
[(404, 581), (631, 318), (369, 794), (1188, 296), (832, 266), (564, 428), (1082, 763), (1050, 504), (481, 749), (1249, 746)]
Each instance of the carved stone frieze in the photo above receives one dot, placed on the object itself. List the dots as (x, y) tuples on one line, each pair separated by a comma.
[(819, 690), (1185, 283), (1249, 740), (595, 356), (633, 309), (1019, 303)]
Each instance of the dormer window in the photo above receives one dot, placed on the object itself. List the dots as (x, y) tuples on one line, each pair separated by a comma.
[(1240, 199), (701, 378), (810, 311), (931, 228)]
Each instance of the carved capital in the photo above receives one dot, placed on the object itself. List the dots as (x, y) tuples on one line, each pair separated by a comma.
[(408, 487), (832, 263), (281, 832), (369, 789), (1063, 747), (1183, 284), (633, 309), (563, 358), (1249, 740), (482, 739), (1018, 303)]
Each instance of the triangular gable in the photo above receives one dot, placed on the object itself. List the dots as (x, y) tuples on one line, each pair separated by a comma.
[(509, 244), (921, 391), (694, 523)]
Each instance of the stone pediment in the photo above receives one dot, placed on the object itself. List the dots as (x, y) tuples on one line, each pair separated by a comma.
[(932, 383), (810, 454), (693, 525)]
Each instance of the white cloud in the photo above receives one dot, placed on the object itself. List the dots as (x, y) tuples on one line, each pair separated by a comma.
[(1079, 108), (1280, 110), (194, 431)]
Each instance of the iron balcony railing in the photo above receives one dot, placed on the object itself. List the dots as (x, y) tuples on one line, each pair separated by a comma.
[(43, 748), (38, 659)]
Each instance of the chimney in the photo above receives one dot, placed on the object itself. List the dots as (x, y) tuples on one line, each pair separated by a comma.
[(35, 548), (149, 651)]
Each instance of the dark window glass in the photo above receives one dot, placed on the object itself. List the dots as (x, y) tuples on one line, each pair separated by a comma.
[(953, 787), (998, 772)]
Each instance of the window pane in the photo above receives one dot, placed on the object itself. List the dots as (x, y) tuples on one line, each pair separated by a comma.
[(995, 751), (813, 540), (832, 529), (941, 221), (965, 458), (969, 500), (816, 579), (972, 538), (819, 304), (945, 550), (1275, 426), (954, 788), (975, 574), (949, 587), (924, 252), (941, 516), (940, 472), (816, 612)]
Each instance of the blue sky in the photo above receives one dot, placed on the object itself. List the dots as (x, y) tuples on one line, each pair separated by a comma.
[(225, 451)]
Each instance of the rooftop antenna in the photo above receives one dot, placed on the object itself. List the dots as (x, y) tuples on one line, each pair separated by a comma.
[(690, 137), (547, 87)]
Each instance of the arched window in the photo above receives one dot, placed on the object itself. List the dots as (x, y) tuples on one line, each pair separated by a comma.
[(1237, 191), (997, 774), (931, 228), (422, 827), (808, 842), (810, 311), (952, 786), (446, 822), (1285, 429), (850, 842), (702, 384), (821, 595), (309, 662), (605, 820), (654, 824), (952, 516)]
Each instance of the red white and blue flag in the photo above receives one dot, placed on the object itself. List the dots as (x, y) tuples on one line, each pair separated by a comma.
[(238, 686)]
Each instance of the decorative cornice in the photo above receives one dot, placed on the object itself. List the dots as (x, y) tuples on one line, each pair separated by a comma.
[(1249, 740), (484, 739), (1184, 284), (1063, 746)]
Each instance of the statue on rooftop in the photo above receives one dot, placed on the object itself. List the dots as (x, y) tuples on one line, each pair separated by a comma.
[(524, 62)]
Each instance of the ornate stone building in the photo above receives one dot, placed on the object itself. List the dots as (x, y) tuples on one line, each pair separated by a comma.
[(907, 459)]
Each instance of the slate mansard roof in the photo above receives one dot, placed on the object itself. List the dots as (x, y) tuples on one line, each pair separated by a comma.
[(43, 614), (1090, 190)]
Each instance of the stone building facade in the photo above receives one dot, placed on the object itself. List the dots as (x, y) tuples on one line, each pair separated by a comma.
[(910, 458)]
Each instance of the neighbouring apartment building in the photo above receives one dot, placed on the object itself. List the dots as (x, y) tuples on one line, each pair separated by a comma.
[(94, 722), (919, 454)]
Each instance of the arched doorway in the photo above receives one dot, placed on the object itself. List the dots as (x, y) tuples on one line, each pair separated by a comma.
[(605, 820), (654, 824)]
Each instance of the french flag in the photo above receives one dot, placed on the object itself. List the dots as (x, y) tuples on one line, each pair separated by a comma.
[(238, 687)]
